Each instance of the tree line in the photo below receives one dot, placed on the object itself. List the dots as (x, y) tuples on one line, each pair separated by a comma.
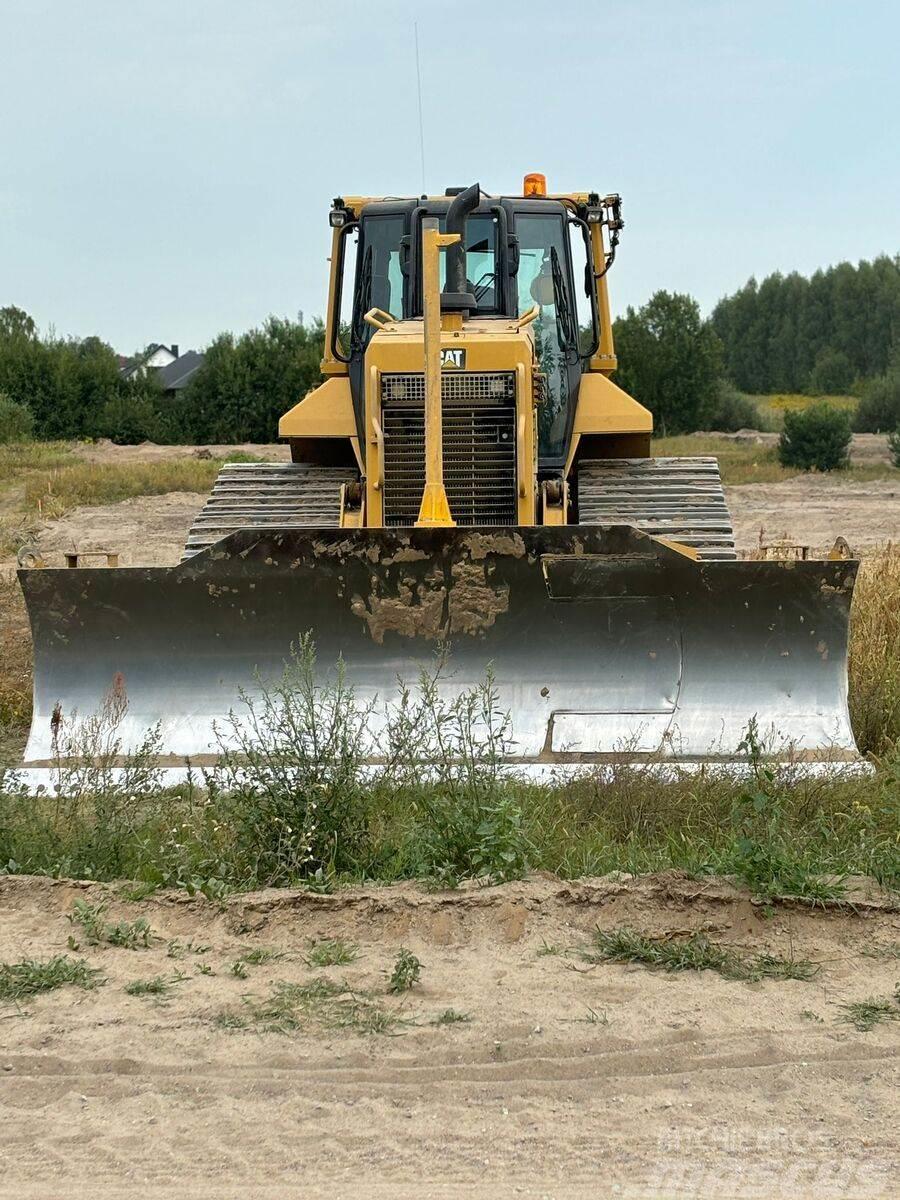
[(835, 332), (73, 388), (819, 335)]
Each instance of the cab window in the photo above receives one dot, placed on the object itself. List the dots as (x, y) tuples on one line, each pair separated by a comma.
[(481, 261), (540, 234), (379, 279)]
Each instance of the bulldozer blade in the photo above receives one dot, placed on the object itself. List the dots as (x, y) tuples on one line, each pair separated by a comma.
[(604, 643)]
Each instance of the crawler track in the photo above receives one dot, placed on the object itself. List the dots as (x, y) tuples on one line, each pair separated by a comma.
[(268, 496), (677, 498)]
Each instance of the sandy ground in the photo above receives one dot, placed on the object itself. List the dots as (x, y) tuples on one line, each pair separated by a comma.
[(566, 1081), (815, 509), (810, 510)]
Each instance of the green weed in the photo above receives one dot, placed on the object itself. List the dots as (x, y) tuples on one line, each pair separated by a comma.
[(176, 949), (132, 935), (30, 976), (259, 955), (692, 953), (331, 952), (406, 973), (596, 1018)]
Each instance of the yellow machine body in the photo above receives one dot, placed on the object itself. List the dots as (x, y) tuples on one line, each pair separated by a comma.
[(608, 422)]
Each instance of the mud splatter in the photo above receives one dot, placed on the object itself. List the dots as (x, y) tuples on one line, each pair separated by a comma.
[(466, 601), (480, 545), (416, 609), (475, 599)]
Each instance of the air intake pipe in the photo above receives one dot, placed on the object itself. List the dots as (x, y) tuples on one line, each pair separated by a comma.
[(455, 297)]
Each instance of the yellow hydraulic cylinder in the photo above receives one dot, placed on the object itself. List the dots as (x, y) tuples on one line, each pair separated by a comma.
[(435, 509), (605, 358)]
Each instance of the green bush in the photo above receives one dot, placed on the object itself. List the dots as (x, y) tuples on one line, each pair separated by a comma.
[(670, 360), (816, 438), (16, 420), (878, 410), (734, 410), (894, 446), (832, 374), (130, 418)]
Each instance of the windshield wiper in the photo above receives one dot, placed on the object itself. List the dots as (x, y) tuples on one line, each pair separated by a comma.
[(362, 299), (561, 300), (488, 279)]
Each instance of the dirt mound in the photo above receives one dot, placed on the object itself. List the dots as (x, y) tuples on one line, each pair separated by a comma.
[(561, 1079), (105, 451), (814, 510)]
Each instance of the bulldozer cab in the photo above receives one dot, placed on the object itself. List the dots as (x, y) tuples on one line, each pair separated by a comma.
[(520, 254)]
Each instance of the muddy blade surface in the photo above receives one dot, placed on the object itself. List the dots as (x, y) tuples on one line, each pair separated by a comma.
[(602, 641)]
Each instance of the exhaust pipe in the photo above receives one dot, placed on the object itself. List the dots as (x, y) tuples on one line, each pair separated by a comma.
[(455, 297)]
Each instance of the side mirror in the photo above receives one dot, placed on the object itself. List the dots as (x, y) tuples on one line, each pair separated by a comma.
[(512, 254)]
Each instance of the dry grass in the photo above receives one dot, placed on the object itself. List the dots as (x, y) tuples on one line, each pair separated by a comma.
[(739, 462), (875, 653), (52, 493), (15, 661), (44, 480), (750, 462)]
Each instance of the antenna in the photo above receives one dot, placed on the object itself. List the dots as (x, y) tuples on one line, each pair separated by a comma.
[(419, 87)]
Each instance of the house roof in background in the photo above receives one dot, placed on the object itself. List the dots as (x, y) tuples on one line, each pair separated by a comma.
[(177, 374), (128, 366)]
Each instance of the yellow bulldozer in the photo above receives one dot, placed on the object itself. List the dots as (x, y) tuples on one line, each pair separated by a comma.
[(467, 479)]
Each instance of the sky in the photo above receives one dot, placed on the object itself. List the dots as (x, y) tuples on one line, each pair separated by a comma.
[(166, 169)]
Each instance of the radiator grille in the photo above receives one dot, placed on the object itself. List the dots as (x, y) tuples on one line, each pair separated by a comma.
[(457, 387), (479, 420)]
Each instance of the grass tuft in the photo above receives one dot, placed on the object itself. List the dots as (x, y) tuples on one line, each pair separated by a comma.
[(331, 952), (888, 951), (290, 1007), (451, 1017), (864, 1015), (259, 955), (31, 976), (692, 953), (157, 986)]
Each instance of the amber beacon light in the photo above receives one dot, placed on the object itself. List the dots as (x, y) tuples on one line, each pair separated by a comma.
[(535, 184)]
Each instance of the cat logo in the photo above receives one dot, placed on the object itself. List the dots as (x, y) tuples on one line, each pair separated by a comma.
[(454, 358)]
